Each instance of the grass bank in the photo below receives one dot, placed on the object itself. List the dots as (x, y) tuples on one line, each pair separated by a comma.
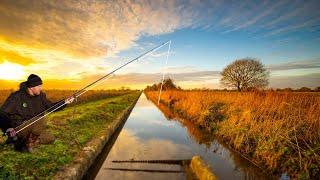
[(73, 128), (55, 95), (277, 130)]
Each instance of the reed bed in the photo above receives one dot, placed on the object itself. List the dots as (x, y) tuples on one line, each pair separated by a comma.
[(277, 130)]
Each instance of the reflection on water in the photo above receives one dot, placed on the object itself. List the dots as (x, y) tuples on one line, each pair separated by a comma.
[(153, 134)]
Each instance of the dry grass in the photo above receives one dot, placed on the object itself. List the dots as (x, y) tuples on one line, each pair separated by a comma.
[(279, 130)]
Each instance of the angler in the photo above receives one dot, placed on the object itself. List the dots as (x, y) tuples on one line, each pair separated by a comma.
[(23, 105), (26, 109)]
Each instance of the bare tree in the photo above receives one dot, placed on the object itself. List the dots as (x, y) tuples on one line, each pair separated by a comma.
[(245, 74)]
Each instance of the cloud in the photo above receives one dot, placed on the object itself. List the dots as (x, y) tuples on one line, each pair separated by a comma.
[(181, 69), (196, 79), (61, 40), (141, 80), (73, 39), (96, 28), (296, 11), (309, 80), (87, 28), (309, 64), (265, 18), (15, 57), (156, 77), (307, 24), (267, 10), (161, 54)]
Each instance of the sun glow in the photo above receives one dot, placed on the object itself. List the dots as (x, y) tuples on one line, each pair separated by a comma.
[(11, 71)]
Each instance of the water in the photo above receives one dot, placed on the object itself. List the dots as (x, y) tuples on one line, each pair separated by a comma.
[(150, 134)]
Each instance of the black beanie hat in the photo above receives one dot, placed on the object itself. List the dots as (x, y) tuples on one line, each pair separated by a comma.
[(33, 80)]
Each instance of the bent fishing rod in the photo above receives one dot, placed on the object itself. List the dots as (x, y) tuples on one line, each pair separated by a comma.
[(78, 93)]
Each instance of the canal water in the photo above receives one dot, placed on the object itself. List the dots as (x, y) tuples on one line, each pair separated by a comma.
[(154, 134)]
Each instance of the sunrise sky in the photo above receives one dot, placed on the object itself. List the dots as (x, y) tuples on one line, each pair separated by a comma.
[(70, 43)]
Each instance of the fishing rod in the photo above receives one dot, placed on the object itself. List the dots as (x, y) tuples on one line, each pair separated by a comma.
[(78, 93)]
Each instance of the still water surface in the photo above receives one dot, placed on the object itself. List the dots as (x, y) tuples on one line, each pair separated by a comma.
[(154, 134)]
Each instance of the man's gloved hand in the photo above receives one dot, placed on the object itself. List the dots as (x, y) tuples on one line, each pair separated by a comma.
[(11, 132)]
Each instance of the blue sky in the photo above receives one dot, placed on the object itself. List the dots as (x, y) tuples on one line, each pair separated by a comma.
[(80, 41), (213, 50), (277, 33)]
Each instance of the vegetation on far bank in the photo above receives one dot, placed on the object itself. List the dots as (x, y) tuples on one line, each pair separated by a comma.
[(56, 95), (73, 128), (277, 130)]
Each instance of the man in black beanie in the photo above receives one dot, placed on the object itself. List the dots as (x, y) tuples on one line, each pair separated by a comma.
[(21, 106)]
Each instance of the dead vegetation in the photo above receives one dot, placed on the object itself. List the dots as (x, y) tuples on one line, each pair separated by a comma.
[(278, 130)]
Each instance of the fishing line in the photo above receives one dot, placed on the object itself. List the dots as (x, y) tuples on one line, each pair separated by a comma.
[(164, 71), (81, 91)]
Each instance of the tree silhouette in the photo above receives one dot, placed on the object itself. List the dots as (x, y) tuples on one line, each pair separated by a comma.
[(168, 84), (245, 74)]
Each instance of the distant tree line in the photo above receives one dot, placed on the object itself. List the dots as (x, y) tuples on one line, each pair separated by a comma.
[(302, 89), (168, 84), (247, 74)]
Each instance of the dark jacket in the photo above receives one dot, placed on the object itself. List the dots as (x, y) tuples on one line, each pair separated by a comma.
[(4, 121), (20, 106)]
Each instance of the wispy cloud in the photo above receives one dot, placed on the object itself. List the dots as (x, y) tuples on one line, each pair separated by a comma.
[(161, 54), (86, 28), (267, 18), (197, 79), (147, 78), (265, 10), (95, 28), (296, 11), (15, 57), (309, 80), (73, 36), (307, 24), (308, 64), (61, 40)]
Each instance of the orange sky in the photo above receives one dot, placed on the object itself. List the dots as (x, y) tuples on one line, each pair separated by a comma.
[(67, 44)]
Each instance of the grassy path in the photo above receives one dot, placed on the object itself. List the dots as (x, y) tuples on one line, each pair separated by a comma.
[(72, 130)]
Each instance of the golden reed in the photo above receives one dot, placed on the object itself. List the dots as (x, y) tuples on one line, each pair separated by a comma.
[(279, 130)]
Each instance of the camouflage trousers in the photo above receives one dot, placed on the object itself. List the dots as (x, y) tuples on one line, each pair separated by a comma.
[(35, 134)]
